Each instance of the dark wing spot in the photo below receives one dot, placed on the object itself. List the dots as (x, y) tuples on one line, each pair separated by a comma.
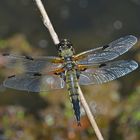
[(102, 65), (57, 73), (37, 74), (105, 46), (11, 76), (29, 57), (5, 54)]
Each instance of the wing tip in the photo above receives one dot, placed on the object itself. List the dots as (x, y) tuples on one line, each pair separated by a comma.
[(133, 38), (134, 64)]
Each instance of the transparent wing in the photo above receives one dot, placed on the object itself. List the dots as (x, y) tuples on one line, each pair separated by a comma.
[(107, 52), (32, 83), (29, 64), (107, 72)]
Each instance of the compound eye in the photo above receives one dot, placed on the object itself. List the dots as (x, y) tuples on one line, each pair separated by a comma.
[(69, 46), (62, 43)]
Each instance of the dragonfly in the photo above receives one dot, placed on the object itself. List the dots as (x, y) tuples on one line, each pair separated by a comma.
[(69, 70)]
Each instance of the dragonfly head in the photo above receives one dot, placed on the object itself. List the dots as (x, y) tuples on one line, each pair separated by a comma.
[(65, 48)]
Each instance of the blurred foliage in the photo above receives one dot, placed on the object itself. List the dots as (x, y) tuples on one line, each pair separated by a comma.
[(88, 23)]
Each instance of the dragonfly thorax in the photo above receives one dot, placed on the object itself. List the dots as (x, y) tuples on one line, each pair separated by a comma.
[(69, 65), (65, 49)]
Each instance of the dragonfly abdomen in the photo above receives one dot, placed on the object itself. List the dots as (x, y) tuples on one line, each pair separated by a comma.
[(72, 86)]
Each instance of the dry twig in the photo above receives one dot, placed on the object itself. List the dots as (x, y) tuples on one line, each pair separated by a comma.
[(90, 115), (47, 22), (55, 38)]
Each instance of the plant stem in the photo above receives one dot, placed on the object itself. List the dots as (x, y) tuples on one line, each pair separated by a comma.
[(90, 115), (55, 38), (47, 22)]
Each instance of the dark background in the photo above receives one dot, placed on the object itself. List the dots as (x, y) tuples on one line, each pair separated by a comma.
[(88, 24)]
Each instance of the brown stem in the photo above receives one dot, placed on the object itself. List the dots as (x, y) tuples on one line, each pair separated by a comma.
[(89, 114), (47, 22)]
